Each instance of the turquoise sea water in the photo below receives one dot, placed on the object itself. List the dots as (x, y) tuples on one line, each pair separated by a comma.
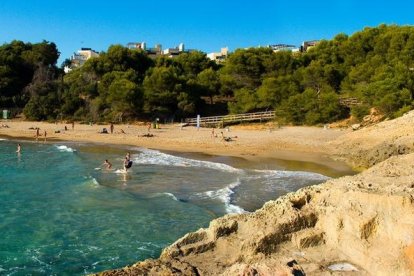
[(62, 213)]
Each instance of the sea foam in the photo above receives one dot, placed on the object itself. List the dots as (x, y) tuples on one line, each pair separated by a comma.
[(274, 174), (63, 148), (224, 195), (155, 157), (171, 195)]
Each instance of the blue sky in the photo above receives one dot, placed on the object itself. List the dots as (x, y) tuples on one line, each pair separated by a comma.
[(203, 25)]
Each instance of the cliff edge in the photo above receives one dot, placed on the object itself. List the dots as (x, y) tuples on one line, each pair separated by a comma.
[(370, 145), (358, 225)]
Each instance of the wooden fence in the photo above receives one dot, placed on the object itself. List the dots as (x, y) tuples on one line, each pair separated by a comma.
[(227, 119), (349, 102)]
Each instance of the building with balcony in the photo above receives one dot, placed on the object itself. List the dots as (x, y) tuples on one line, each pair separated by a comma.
[(80, 57), (137, 45), (157, 50), (284, 47)]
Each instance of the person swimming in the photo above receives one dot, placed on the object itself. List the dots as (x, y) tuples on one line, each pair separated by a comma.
[(107, 164)]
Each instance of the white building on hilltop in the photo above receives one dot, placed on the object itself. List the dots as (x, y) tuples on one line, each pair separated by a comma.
[(137, 45), (306, 45), (219, 57), (171, 52), (283, 47), (157, 50), (78, 59)]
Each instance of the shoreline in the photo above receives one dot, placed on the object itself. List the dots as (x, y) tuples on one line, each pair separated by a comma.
[(253, 143)]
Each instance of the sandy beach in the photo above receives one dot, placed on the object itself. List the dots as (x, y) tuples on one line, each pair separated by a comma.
[(251, 142)]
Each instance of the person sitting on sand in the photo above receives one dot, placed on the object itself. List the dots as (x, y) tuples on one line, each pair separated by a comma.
[(227, 138), (107, 164)]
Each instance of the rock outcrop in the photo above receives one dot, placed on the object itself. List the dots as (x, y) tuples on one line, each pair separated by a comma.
[(365, 221), (368, 146), (358, 225)]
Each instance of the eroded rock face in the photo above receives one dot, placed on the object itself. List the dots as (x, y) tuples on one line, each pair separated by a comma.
[(366, 221), (371, 145)]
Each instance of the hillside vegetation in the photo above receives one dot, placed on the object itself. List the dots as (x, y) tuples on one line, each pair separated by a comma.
[(374, 65)]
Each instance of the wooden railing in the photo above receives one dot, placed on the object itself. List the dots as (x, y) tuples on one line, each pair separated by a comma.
[(349, 102), (236, 118)]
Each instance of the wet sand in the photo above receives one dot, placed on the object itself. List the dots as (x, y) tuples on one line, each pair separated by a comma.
[(286, 147)]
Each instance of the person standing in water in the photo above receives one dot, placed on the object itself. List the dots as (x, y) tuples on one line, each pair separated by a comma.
[(127, 162), (19, 148)]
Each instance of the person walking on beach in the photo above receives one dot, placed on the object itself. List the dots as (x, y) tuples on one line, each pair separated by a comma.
[(107, 164), (111, 127), (45, 135), (19, 148), (37, 134), (73, 126)]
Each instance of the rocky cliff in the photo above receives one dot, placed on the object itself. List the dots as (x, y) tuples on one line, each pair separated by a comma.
[(371, 145), (358, 225)]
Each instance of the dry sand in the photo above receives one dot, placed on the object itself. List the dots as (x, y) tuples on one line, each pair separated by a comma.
[(250, 142)]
